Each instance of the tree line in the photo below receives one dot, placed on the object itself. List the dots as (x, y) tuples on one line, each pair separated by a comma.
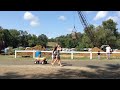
[(105, 34), (15, 38)]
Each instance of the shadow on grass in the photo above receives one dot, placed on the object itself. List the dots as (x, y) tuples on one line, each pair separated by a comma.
[(93, 66), (61, 74), (80, 74), (12, 75), (111, 71), (113, 67), (66, 64)]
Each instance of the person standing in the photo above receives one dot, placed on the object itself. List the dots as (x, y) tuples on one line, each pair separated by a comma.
[(54, 53), (58, 56), (98, 55), (108, 51)]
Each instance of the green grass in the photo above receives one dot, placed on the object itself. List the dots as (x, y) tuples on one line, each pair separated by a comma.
[(11, 57)]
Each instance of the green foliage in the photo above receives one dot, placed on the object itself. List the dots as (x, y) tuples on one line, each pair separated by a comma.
[(32, 40), (107, 33), (42, 40)]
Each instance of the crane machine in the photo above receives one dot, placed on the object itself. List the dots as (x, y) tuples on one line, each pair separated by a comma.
[(86, 25)]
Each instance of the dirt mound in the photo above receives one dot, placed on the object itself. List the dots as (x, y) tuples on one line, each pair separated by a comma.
[(96, 49), (37, 47)]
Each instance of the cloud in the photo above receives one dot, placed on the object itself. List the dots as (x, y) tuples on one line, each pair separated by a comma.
[(101, 14), (114, 18), (34, 21), (28, 16), (118, 13), (63, 18)]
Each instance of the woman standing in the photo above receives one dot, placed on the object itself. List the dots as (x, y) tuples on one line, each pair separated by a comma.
[(57, 55), (54, 53)]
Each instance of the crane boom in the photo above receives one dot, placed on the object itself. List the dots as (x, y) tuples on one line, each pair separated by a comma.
[(86, 25), (82, 19)]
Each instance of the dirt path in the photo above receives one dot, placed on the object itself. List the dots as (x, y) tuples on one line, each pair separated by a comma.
[(39, 72), (71, 70)]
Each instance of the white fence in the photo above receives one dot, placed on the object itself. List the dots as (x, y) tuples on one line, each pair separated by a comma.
[(71, 52)]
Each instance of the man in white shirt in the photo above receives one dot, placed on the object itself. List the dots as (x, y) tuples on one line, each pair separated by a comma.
[(108, 51)]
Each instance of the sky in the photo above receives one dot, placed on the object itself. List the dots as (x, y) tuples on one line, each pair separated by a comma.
[(53, 23)]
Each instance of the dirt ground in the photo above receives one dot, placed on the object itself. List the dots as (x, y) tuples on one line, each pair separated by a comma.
[(72, 69)]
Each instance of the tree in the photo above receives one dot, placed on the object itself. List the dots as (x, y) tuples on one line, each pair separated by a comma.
[(15, 37), (100, 36), (69, 43), (86, 42), (32, 40), (110, 25), (7, 38), (111, 32), (23, 38), (42, 40), (1, 38), (90, 32)]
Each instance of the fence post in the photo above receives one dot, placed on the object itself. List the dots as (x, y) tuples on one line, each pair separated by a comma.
[(90, 54), (33, 53), (71, 55), (15, 53)]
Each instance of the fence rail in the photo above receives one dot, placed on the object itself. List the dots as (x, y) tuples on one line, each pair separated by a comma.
[(70, 52)]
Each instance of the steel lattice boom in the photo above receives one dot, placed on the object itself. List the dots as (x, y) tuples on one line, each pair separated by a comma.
[(85, 24)]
